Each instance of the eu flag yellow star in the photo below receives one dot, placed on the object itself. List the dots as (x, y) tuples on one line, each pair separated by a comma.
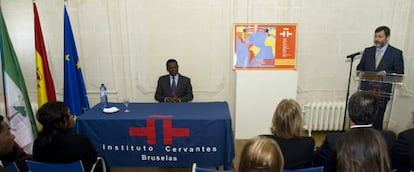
[(78, 65)]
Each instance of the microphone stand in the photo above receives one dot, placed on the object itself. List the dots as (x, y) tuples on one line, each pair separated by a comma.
[(349, 83)]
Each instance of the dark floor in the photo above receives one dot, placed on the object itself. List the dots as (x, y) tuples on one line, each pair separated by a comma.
[(238, 145)]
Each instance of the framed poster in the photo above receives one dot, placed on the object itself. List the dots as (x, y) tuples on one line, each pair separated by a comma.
[(264, 46)]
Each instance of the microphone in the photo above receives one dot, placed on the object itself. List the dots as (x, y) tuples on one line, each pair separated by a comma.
[(355, 54)]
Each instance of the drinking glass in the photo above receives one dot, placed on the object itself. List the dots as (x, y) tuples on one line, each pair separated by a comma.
[(126, 103)]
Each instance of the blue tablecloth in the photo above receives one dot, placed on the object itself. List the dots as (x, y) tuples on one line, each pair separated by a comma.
[(161, 134)]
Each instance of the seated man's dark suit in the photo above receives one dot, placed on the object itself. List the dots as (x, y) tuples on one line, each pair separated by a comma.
[(325, 155), (391, 62), (403, 151), (184, 90), (297, 152)]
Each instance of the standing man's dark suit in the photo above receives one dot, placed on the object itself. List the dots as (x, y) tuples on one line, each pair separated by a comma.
[(167, 91), (184, 90), (391, 62), (403, 151)]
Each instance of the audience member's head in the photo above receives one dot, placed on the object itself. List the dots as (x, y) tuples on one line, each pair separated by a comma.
[(261, 154), (287, 119), (55, 117), (6, 139), (362, 108), (362, 150)]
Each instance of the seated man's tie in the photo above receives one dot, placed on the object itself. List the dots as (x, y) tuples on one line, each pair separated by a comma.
[(173, 86)]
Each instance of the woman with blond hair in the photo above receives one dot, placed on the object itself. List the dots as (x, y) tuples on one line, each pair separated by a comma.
[(362, 150), (261, 154), (287, 132)]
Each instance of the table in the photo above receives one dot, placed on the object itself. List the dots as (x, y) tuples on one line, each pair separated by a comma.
[(161, 134)]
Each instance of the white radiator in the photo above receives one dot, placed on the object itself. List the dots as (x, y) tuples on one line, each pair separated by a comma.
[(324, 116)]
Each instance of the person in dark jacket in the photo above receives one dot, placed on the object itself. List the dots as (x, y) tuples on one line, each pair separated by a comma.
[(362, 150), (383, 59), (403, 151), (174, 87), (362, 109), (286, 131), (56, 144)]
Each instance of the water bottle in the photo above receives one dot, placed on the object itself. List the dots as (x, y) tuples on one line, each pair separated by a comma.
[(104, 96)]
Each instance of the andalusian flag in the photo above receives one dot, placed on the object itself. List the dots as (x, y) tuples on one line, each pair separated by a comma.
[(75, 95), (18, 108), (45, 86)]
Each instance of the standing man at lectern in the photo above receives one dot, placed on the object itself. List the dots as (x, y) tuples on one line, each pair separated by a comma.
[(381, 58), (174, 87)]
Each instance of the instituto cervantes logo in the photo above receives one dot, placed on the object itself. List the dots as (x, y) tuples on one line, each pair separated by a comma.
[(149, 130), (159, 148)]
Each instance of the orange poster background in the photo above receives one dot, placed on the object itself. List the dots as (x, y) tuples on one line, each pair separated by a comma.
[(286, 46), (282, 40)]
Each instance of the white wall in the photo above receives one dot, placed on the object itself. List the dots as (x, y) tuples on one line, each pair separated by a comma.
[(125, 43), (258, 93)]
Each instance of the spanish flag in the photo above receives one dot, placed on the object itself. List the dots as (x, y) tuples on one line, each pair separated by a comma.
[(45, 86)]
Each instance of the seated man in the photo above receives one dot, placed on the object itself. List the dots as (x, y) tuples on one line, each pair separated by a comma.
[(362, 108), (174, 87), (403, 150), (9, 151)]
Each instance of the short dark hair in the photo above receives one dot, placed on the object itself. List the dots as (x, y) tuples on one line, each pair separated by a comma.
[(171, 61), (362, 108), (386, 30)]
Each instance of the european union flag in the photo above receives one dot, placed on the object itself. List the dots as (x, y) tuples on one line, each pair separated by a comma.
[(75, 95)]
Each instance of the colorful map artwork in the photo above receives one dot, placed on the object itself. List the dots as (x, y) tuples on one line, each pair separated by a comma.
[(264, 46)]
